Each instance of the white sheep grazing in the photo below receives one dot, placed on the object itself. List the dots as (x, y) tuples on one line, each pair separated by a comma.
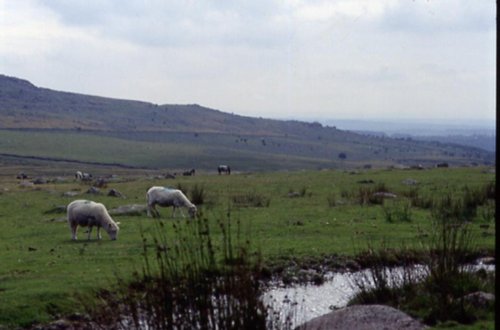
[(83, 176), (168, 197), (87, 213)]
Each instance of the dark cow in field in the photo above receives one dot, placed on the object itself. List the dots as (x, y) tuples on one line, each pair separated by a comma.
[(224, 169), (189, 173), (21, 176)]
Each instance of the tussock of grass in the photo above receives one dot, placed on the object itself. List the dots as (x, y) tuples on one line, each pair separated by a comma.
[(251, 199)]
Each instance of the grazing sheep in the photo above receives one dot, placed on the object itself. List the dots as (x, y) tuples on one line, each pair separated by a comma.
[(79, 175), (168, 197), (87, 213), (224, 169)]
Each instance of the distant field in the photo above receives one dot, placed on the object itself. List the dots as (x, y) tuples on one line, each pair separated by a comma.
[(166, 152), (301, 215), (185, 150)]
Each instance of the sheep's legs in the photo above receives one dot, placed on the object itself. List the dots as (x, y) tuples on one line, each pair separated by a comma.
[(152, 211), (89, 231), (73, 232), (175, 211)]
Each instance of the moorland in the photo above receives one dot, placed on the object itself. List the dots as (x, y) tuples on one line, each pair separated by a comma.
[(298, 218), (38, 123), (303, 195)]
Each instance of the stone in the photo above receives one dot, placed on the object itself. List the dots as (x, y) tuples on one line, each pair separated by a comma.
[(364, 317)]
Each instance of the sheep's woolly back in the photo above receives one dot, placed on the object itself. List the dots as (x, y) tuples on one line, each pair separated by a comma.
[(180, 196), (168, 196), (90, 208)]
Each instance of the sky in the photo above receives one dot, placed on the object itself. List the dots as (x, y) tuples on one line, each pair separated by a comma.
[(288, 59)]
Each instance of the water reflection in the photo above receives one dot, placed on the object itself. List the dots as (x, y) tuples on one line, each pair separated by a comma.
[(302, 303)]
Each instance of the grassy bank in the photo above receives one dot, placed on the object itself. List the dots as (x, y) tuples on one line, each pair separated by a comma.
[(285, 215)]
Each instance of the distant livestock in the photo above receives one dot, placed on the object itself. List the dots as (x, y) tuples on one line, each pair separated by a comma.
[(189, 173), (21, 176), (82, 176), (224, 169), (442, 165), (89, 214), (166, 197)]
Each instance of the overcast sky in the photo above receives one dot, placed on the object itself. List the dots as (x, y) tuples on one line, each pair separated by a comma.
[(360, 59)]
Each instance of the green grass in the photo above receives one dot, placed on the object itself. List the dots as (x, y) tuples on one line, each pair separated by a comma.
[(185, 150), (41, 268)]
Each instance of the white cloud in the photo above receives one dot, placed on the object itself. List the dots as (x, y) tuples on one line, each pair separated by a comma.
[(262, 58)]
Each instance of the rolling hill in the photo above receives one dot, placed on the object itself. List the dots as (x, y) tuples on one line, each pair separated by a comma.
[(39, 124)]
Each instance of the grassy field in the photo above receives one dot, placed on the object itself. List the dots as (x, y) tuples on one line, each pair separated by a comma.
[(300, 215), (186, 150)]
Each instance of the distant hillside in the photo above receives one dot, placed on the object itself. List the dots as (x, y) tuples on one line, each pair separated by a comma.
[(23, 105), (192, 135), (486, 142)]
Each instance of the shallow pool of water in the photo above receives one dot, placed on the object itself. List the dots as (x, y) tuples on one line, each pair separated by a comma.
[(302, 303)]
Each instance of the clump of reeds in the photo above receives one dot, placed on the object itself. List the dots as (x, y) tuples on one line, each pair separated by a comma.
[(397, 211), (198, 194), (368, 195), (332, 199), (190, 281), (436, 293)]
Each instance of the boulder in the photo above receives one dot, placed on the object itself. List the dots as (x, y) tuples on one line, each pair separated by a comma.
[(364, 317), (480, 299), (383, 194), (71, 193), (94, 191), (133, 209), (409, 182), (115, 193)]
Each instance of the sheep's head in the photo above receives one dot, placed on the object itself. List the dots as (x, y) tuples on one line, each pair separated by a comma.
[(113, 230), (192, 211)]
